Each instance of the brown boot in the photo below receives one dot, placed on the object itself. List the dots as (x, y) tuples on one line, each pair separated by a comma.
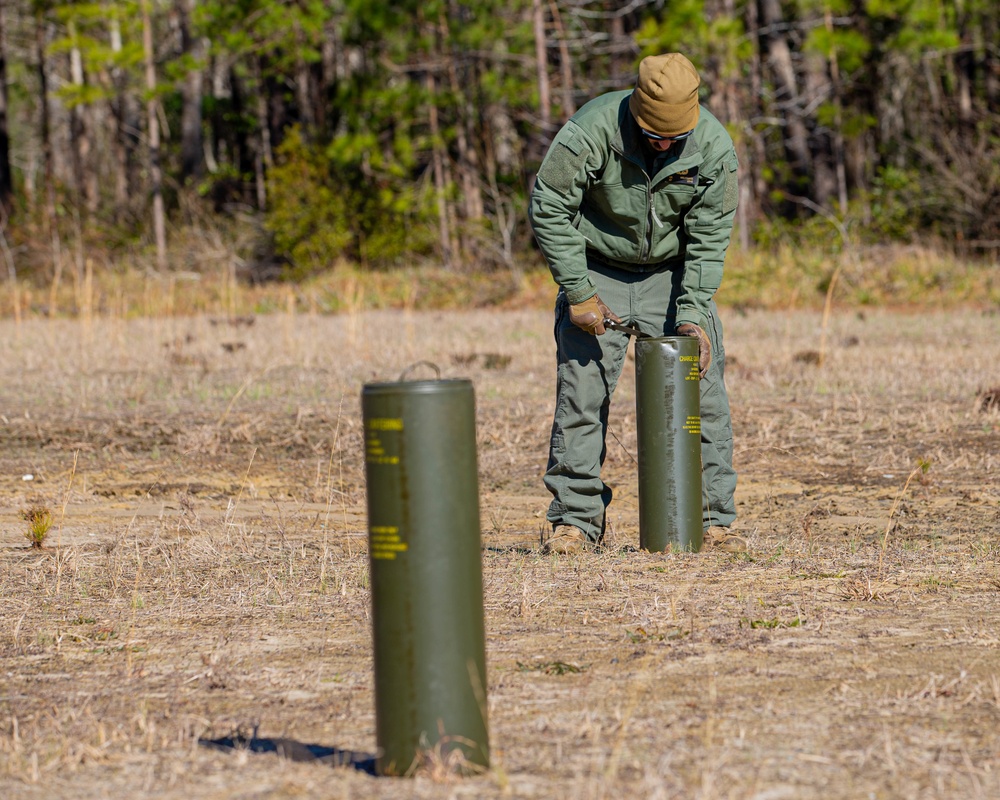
[(565, 539), (719, 538)]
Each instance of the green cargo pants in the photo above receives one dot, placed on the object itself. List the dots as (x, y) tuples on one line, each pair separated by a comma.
[(588, 371)]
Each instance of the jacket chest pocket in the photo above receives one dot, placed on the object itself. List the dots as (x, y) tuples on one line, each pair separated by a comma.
[(623, 203), (671, 199)]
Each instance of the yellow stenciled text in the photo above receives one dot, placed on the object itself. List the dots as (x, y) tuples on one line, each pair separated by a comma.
[(386, 542)]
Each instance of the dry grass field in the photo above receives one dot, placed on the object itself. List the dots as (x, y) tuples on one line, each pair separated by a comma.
[(206, 570)]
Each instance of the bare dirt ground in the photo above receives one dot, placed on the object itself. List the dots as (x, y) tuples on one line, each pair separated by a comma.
[(206, 572)]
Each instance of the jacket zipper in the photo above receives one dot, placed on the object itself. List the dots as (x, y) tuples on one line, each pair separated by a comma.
[(653, 219)]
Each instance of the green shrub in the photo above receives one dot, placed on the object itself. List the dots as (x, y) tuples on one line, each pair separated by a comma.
[(328, 205)]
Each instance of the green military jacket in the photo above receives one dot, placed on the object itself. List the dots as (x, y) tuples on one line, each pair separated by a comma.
[(594, 193)]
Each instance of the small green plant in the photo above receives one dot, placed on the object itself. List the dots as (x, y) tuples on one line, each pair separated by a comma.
[(925, 468), (754, 624), (641, 635), (39, 520)]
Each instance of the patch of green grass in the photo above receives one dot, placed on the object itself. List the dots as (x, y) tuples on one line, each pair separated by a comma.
[(933, 583), (641, 635), (754, 624)]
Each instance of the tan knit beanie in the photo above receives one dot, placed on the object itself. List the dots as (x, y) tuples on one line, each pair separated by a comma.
[(665, 98)]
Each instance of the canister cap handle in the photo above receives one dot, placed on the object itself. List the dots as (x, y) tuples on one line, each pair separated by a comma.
[(416, 364)]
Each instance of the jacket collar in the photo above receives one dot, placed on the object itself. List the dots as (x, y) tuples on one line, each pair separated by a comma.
[(627, 140)]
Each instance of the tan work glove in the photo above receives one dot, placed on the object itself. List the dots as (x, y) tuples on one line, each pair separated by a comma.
[(590, 315), (704, 345)]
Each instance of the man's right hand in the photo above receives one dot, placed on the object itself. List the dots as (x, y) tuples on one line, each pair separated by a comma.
[(590, 315)]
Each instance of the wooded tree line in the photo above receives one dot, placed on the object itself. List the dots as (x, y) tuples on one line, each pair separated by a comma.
[(392, 132)]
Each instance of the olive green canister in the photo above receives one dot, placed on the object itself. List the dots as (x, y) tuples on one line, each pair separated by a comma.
[(668, 427), (426, 574)]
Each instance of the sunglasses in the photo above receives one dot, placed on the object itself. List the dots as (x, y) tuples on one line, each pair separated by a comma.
[(657, 138)]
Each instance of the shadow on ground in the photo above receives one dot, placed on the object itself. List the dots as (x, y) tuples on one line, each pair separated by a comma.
[(295, 751)]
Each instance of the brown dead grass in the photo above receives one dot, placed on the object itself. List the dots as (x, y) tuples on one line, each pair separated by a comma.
[(207, 571)]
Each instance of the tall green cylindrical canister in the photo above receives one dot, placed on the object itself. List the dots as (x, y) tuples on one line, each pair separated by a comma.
[(668, 425), (426, 572)]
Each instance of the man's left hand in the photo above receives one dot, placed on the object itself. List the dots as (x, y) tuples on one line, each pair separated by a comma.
[(704, 345)]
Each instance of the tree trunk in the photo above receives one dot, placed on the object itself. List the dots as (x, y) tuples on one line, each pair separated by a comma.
[(542, 69), (733, 106), (242, 155), (565, 64), (963, 61), (621, 45), (155, 172), (6, 179), (303, 90), (331, 54), (437, 162), (468, 164), (84, 173), (44, 118), (758, 152), (216, 149), (264, 157), (837, 141), (817, 87), (192, 91), (990, 23), (468, 159), (123, 145), (503, 209), (45, 131), (795, 134)]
